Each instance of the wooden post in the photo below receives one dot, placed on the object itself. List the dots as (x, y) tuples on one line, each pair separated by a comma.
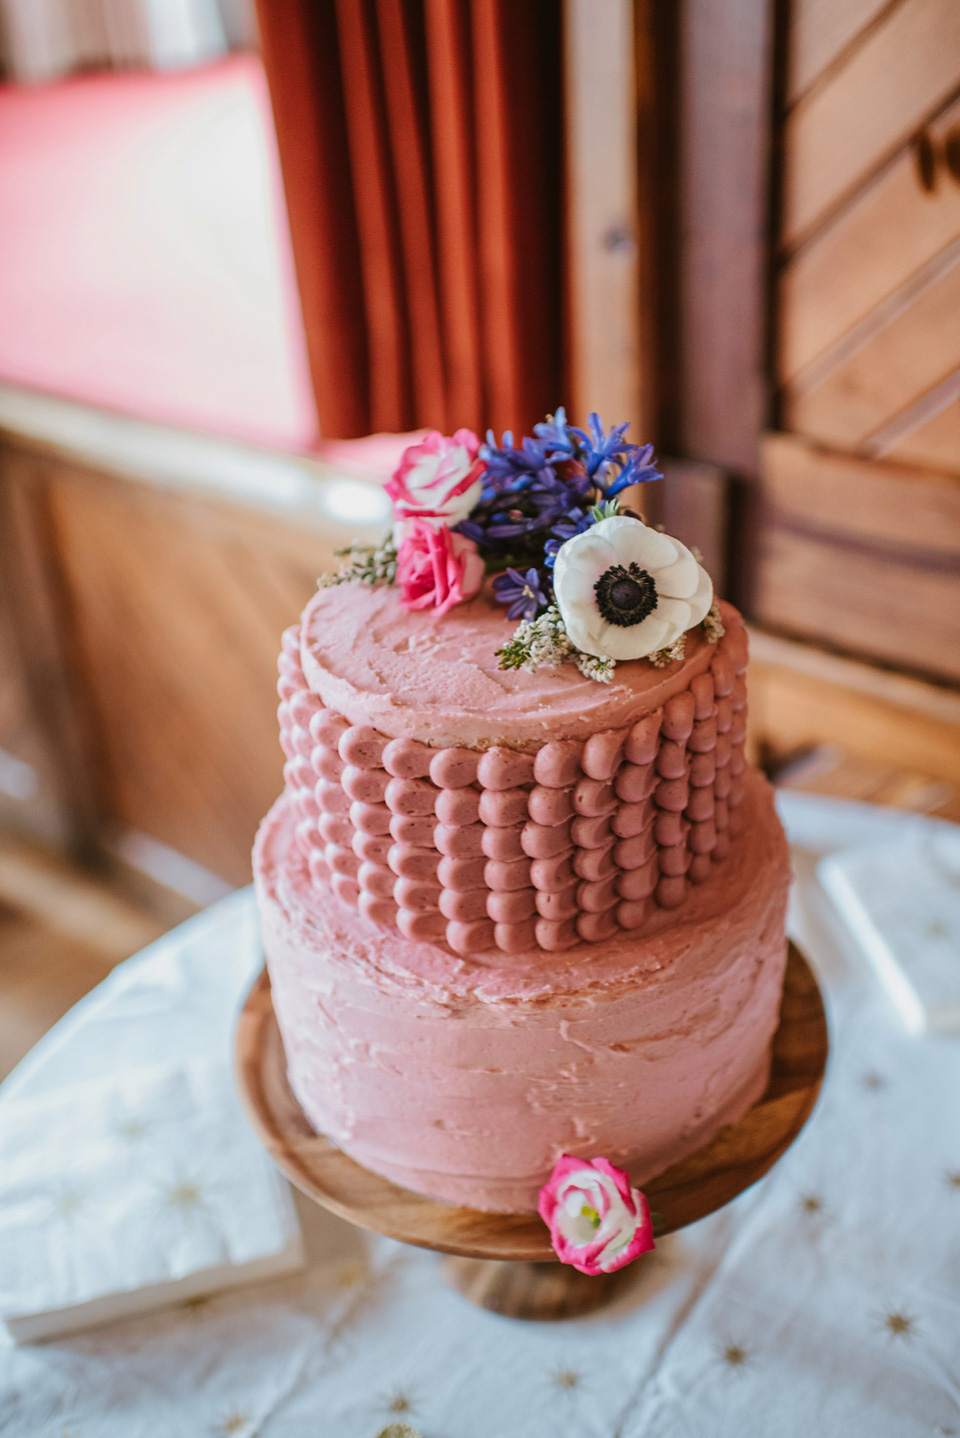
[(604, 239)]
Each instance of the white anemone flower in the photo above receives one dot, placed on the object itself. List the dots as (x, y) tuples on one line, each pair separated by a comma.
[(625, 590)]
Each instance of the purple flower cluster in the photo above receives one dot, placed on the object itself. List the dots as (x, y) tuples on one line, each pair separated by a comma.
[(541, 493), (526, 490)]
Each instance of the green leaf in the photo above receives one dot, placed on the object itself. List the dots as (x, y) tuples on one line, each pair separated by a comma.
[(606, 509)]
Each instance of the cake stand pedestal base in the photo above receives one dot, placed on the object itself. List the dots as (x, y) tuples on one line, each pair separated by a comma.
[(504, 1261), (531, 1290)]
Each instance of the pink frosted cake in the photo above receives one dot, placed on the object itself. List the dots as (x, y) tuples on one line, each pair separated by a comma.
[(521, 896)]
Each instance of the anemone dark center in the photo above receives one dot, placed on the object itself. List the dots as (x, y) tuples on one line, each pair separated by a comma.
[(626, 594)]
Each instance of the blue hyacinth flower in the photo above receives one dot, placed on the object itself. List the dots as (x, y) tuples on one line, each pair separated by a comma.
[(521, 591)]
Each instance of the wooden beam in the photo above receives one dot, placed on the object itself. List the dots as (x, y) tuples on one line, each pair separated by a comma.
[(607, 363), (725, 78), (860, 555), (801, 697), (889, 504), (339, 502), (695, 507)]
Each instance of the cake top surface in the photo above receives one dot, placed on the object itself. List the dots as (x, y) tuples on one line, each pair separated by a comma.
[(435, 678)]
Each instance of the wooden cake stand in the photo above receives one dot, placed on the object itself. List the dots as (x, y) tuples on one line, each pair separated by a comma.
[(505, 1261)]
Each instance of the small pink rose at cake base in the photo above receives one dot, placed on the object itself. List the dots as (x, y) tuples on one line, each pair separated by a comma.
[(436, 568), (597, 1222), (438, 480)]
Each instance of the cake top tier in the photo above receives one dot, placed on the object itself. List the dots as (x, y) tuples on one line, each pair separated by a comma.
[(435, 678), (501, 791)]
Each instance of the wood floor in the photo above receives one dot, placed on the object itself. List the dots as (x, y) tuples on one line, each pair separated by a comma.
[(62, 929)]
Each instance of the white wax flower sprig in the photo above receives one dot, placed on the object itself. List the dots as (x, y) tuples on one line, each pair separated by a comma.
[(626, 591)]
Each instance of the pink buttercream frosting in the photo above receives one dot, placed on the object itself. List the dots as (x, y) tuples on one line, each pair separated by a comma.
[(435, 678), (553, 831), (465, 1080)]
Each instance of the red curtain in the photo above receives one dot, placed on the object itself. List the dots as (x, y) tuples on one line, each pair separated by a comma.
[(422, 152)]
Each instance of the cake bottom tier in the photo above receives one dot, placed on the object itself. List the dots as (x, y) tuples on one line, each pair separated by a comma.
[(465, 1080)]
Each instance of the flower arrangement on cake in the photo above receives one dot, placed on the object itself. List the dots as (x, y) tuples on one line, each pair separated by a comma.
[(589, 580)]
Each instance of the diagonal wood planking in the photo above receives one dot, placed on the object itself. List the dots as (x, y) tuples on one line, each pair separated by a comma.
[(936, 442), (917, 348), (820, 32), (901, 73), (889, 230)]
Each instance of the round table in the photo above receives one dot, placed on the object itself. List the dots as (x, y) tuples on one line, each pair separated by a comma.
[(824, 1300)]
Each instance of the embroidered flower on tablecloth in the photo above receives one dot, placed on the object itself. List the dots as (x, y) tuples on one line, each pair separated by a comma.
[(625, 590), (436, 568), (597, 1222), (437, 480)]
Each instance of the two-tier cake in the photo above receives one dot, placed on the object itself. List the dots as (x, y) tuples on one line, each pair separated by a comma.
[(522, 896)]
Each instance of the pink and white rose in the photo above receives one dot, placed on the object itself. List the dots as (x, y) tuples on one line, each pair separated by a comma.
[(437, 480), (597, 1222), (436, 568)]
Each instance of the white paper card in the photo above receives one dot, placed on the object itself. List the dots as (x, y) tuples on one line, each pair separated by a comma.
[(901, 903), (117, 1196)]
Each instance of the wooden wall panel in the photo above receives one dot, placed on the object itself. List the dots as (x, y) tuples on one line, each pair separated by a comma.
[(882, 503), (176, 609), (908, 352), (695, 506), (164, 570), (17, 735), (861, 556), (889, 231), (62, 734), (802, 698), (935, 442), (860, 536), (904, 71), (869, 604), (819, 32), (13, 709)]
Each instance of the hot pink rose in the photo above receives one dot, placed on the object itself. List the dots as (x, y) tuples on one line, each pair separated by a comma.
[(437, 479), (436, 568), (597, 1221)]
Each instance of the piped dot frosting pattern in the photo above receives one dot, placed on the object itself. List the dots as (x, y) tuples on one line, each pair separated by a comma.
[(508, 851)]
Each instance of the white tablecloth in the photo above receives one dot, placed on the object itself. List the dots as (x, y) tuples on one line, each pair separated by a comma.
[(824, 1301)]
